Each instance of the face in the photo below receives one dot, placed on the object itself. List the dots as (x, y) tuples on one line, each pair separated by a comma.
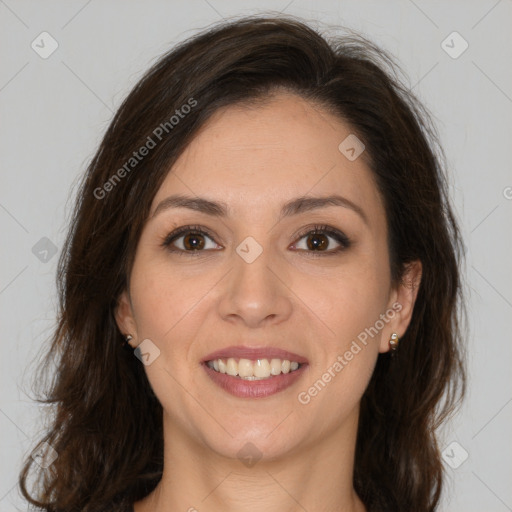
[(311, 280)]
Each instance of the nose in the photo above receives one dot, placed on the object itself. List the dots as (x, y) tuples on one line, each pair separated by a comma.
[(256, 293)]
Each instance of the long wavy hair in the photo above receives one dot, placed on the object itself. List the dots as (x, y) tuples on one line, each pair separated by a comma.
[(106, 422)]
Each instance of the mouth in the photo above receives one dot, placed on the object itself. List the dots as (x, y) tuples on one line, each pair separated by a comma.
[(254, 373), (258, 369)]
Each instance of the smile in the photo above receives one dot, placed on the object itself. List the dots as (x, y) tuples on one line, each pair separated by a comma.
[(258, 369), (260, 378)]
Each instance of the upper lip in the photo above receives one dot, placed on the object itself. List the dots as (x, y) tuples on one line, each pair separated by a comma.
[(254, 353)]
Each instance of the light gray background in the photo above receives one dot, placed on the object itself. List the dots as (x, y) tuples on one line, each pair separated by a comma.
[(54, 112)]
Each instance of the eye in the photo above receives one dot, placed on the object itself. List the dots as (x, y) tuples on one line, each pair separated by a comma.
[(317, 241), (192, 240), (188, 239)]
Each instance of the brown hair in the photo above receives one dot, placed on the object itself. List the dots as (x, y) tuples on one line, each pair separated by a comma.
[(107, 423)]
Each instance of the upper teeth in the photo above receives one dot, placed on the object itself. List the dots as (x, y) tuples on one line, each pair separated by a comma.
[(253, 370)]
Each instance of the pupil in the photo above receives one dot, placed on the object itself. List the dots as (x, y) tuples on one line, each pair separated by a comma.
[(317, 244), (197, 243)]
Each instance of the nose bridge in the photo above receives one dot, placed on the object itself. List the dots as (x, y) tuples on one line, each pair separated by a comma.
[(251, 269), (251, 264), (254, 292)]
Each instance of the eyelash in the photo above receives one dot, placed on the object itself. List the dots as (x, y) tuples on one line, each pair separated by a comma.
[(340, 237)]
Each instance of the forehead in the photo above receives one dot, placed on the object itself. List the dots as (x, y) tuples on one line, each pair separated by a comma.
[(258, 156)]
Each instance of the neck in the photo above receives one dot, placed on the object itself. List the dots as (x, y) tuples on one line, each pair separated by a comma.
[(315, 477)]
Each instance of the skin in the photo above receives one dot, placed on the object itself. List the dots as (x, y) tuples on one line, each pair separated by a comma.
[(254, 159)]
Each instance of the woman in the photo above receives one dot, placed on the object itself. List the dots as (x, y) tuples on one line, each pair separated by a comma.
[(259, 290)]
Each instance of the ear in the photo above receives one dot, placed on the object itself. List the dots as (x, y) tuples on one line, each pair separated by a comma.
[(402, 300), (125, 319)]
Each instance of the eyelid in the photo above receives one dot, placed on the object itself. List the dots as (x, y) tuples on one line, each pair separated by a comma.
[(330, 231), (324, 229), (181, 231)]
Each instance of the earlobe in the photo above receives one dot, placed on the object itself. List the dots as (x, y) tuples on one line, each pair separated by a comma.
[(124, 316), (403, 301)]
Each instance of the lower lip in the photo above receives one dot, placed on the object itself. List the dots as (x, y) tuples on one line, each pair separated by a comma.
[(254, 388)]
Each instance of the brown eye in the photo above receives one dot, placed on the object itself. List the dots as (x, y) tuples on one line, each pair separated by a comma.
[(317, 242), (320, 239), (193, 241), (189, 240)]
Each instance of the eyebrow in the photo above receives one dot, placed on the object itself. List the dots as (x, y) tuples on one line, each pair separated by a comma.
[(295, 206)]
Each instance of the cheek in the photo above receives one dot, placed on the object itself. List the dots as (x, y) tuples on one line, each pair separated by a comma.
[(347, 306), (164, 297), (169, 310), (347, 355), (345, 300)]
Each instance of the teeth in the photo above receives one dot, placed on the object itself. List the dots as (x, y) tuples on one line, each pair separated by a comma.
[(232, 367), (245, 368), (261, 368), (253, 370)]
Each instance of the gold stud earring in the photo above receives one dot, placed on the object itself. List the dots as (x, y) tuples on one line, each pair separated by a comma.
[(393, 341)]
